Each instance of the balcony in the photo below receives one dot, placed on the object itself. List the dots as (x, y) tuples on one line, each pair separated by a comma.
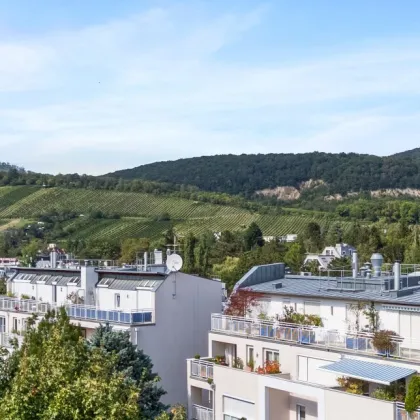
[(82, 312), (202, 368), (201, 413), (401, 414), (357, 342)]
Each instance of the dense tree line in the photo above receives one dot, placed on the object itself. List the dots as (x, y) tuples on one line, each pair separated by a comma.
[(245, 174)]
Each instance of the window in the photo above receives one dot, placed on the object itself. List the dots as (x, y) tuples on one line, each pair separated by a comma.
[(15, 324), (54, 294), (300, 412), (249, 354), (332, 310), (2, 324), (227, 417), (271, 355), (117, 300), (24, 324)]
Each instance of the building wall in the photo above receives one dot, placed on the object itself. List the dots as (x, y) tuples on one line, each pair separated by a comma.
[(184, 304), (345, 406), (236, 384), (300, 361), (336, 314), (129, 299)]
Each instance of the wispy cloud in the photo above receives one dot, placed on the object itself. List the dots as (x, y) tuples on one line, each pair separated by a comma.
[(156, 86)]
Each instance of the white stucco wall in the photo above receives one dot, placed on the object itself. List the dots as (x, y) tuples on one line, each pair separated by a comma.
[(181, 329)]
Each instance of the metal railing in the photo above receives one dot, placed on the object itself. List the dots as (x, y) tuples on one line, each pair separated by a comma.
[(201, 413), (402, 414), (5, 339), (202, 369), (86, 312), (404, 348)]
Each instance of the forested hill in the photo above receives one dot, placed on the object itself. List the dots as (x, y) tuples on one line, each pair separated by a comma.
[(413, 153), (248, 173)]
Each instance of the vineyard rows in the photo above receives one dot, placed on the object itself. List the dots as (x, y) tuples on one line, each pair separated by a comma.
[(123, 203), (139, 211)]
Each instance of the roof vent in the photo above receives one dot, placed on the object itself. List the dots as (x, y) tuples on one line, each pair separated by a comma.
[(278, 285)]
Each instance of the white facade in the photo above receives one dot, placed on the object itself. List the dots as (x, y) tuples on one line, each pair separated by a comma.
[(306, 387), (168, 315)]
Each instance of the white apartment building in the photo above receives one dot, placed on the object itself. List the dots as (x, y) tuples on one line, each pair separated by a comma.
[(223, 386), (330, 253), (167, 313)]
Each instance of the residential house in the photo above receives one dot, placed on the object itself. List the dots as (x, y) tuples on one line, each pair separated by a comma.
[(300, 365)]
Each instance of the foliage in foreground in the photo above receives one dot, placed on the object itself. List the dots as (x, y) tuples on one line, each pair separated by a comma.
[(56, 374)]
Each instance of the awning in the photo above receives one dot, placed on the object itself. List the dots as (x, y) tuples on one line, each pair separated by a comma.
[(368, 371)]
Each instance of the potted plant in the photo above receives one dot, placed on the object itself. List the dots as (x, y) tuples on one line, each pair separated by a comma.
[(220, 360), (384, 342), (351, 385), (250, 365), (271, 367), (238, 363), (197, 357)]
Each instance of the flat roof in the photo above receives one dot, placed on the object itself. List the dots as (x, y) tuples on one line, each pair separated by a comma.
[(321, 287)]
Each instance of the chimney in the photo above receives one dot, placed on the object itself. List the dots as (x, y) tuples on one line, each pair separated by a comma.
[(158, 256), (145, 261), (397, 275), (53, 259), (355, 264)]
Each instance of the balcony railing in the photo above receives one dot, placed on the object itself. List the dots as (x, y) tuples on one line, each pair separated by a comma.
[(401, 414), (404, 348), (201, 413), (82, 312), (5, 339), (202, 369)]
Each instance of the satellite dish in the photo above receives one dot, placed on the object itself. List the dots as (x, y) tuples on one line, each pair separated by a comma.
[(174, 262)]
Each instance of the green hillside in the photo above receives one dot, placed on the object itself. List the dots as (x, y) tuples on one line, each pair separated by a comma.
[(246, 174), (141, 213)]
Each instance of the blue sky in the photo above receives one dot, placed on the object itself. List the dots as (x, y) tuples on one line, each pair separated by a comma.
[(99, 85)]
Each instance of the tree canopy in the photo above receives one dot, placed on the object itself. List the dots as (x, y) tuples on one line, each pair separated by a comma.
[(56, 374)]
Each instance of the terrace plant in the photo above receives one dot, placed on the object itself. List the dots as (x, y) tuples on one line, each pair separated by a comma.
[(412, 399), (292, 317), (271, 367), (351, 385), (384, 341), (241, 302), (251, 364), (23, 296), (238, 363)]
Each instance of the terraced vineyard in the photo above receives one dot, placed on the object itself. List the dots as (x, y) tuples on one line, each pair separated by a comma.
[(139, 211)]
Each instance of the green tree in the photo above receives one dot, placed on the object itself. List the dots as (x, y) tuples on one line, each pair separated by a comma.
[(189, 253), (294, 257), (131, 247), (412, 399), (134, 364), (253, 237), (55, 375), (312, 237), (29, 253)]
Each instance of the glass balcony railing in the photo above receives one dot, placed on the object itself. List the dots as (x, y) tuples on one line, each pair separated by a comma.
[(359, 342), (82, 312)]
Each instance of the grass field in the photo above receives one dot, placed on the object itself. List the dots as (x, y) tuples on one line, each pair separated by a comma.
[(139, 211)]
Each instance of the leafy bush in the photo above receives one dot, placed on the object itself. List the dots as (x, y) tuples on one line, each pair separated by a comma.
[(412, 399), (290, 316), (351, 385)]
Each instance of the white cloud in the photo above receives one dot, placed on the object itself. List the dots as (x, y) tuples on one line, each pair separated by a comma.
[(154, 87)]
